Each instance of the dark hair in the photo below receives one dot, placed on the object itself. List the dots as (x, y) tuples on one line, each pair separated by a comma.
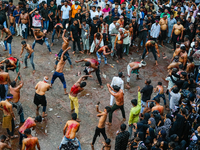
[(108, 141), (120, 74), (87, 63), (157, 99), (172, 144), (13, 84), (10, 95), (190, 58), (159, 83), (116, 88), (184, 111), (23, 42), (176, 90), (83, 84), (38, 118), (58, 27), (3, 137), (108, 109), (107, 5), (74, 116), (184, 74), (109, 46), (181, 66), (2, 67), (27, 131), (148, 81), (1, 27), (7, 61), (151, 105), (98, 34), (69, 38), (183, 48), (134, 102), (83, 20), (123, 127), (98, 7)]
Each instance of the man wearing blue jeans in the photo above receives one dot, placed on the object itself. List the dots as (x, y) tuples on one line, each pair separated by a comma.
[(25, 23), (45, 17), (160, 90), (29, 54), (59, 71), (40, 37), (8, 39)]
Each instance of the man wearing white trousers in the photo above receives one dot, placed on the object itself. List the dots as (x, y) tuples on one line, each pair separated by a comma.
[(16, 14), (119, 82)]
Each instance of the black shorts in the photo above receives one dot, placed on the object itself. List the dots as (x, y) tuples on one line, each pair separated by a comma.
[(40, 99), (163, 35)]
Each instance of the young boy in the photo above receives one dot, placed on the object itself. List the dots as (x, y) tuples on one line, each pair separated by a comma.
[(12, 24), (159, 88), (106, 145)]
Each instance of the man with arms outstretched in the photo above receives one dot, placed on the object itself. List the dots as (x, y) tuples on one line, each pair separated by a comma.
[(72, 127), (59, 71)]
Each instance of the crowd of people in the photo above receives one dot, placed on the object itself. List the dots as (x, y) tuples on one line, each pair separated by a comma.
[(108, 28)]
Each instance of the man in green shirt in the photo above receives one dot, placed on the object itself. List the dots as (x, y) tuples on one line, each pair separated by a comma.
[(109, 18), (134, 113), (165, 13)]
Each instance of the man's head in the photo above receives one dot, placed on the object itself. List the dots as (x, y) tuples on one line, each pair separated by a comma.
[(190, 58), (142, 64), (147, 81), (108, 141), (1, 67), (75, 21), (1, 27), (93, 8), (9, 97), (27, 132), (7, 62), (45, 5), (175, 90), (36, 12), (83, 84), (87, 64), (157, 100), (23, 43), (117, 25), (144, 23), (13, 84), (121, 31), (120, 74), (69, 39), (58, 27), (159, 83), (178, 21), (65, 3), (116, 88), (109, 46), (46, 79), (123, 127), (74, 116), (107, 109), (134, 102), (2, 138), (98, 35), (10, 2), (183, 47), (107, 6), (23, 11), (157, 21), (38, 119), (52, 2)]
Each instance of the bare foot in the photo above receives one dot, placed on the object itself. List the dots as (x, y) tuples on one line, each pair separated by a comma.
[(71, 66), (73, 52), (89, 54), (108, 123), (156, 64), (78, 120), (82, 52), (124, 120), (9, 55), (117, 61), (24, 67), (138, 78), (44, 115), (66, 93), (50, 53), (92, 145), (127, 86), (33, 71), (4, 50), (102, 86), (51, 44)]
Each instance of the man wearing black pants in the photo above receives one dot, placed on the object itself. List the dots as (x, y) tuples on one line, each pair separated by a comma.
[(74, 28)]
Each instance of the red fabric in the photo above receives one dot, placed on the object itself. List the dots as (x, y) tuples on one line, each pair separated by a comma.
[(122, 1), (74, 89), (12, 58)]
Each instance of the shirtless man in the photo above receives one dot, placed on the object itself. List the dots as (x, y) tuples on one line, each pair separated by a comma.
[(25, 23), (40, 37), (64, 46), (8, 39), (77, 88), (57, 30), (190, 65), (29, 54), (163, 29), (39, 98), (97, 42), (15, 91), (28, 124), (134, 67), (187, 42), (151, 46), (72, 127), (121, 21), (118, 44), (159, 88), (59, 71), (91, 64), (4, 80), (103, 51), (4, 145), (30, 142), (158, 107), (177, 33), (12, 63), (174, 64), (8, 116), (183, 56), (119, 102), (177, 51), (101, 126)]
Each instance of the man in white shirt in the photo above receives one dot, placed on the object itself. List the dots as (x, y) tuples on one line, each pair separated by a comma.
[(112, 25), (155, 30), (65, 14), (119, 82), (93, 12), (101, 4)]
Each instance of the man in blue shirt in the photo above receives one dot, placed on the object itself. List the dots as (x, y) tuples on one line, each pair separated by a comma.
[(16, 14)]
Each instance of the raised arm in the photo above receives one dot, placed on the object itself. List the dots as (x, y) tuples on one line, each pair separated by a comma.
[(110, 89), (77, 61), (64, 53), (38, 145), (81, 78), (64, 129), (2, 61)]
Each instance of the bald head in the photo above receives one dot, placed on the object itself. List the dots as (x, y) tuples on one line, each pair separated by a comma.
[(46, 78)]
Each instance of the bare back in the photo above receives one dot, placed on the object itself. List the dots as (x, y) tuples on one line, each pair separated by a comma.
[(7, 108), (65, 44), (28, 48), (16, 93), (4, 78), (30, 143), (119, 98), (72, 128), (102, 120), (42, 87), (60, 66), (158, 108)]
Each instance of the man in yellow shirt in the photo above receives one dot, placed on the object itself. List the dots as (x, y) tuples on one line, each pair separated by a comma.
[(134, 113), (75, 9)]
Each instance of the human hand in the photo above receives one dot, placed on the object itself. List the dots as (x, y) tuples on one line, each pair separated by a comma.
[(138, 88), (147, 53), (90, 76), (72, 39)]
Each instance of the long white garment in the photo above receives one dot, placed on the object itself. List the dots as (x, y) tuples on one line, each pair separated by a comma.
[(128, 72), (155, 30), (19, 29), (119, 82), (93, 45)]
